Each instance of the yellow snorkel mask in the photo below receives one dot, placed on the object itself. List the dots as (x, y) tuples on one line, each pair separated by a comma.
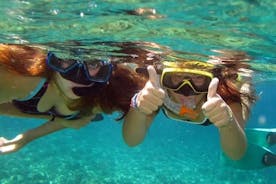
[(187, 78)]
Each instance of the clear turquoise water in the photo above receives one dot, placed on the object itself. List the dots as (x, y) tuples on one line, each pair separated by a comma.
[(172, 152)]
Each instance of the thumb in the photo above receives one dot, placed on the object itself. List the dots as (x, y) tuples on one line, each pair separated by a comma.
[(153, 77), (213, 86)]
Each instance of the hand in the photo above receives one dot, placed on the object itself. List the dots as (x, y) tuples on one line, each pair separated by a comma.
[(215, 108), (151, 97), (9, 146)]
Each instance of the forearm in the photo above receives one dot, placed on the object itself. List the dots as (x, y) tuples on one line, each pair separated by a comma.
[(43, 130), (9, 146), (135, 126), (233, 140)]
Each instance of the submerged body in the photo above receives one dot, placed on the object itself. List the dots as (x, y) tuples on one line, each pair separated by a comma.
[(67, 92), (217, 96), (65, 102)]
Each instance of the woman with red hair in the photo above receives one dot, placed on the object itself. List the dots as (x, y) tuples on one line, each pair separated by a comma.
[(69, 93)]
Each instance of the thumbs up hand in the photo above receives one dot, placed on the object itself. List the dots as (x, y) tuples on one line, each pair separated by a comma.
[(151, 97), (215, 108)]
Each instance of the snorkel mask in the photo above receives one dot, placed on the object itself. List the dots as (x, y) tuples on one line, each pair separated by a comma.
[(189, 79), (81, 72), (185, 80)]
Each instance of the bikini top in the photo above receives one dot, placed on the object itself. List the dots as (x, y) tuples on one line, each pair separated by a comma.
[(29, 104)]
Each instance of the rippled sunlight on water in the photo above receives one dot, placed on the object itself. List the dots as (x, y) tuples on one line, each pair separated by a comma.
[(172, 152)]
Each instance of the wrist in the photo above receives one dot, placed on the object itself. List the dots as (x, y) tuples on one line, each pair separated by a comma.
[(228, 125), (229, 120), (28, 136), (133, 101)]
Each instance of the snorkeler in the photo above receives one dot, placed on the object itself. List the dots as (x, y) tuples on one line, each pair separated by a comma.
[(191, 91), (67, 92), (46, 86), (196, 92), (112, 97)]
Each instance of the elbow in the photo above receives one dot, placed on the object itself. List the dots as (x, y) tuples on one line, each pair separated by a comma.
[(236, 154), (131, 141)]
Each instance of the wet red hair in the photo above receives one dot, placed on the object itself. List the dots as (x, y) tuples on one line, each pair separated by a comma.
[(231, 64), (124, 82), (117, 94), (24, 59)]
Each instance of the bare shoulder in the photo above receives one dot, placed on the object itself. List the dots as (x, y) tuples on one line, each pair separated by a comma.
[(9, 109), (15, 86)]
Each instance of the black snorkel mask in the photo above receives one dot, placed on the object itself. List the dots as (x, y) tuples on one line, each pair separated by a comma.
[(81, 72)]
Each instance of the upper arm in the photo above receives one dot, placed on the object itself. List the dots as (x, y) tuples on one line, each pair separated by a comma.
[(10, 110)]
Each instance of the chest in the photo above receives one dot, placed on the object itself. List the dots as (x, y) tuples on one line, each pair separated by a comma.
[(53, 98)]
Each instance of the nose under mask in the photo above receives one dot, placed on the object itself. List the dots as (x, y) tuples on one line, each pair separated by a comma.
[(95, 89), (186, 90), (77, 75)]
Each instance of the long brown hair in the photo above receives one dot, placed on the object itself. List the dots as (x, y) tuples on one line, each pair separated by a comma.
[(24, 60), (117, 94), (230, 67), (233, 70), (125, 81), (28, 60)]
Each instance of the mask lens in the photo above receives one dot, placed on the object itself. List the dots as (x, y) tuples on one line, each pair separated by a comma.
[(81, 71), (201, 83), (172, 80), (176, 80), (98, 71), (59, 65)]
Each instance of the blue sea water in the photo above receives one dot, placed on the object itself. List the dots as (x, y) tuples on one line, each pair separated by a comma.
[(172, 152)]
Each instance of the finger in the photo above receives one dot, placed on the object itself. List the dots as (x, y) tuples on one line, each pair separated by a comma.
[(215, 117), (153, 77), (211, 112), (159, 93), (7, 149), (146, 110), (4, 142), (150, 102), (7, 143), (153, 100), (221, 123), (211, 104), (212, 90)]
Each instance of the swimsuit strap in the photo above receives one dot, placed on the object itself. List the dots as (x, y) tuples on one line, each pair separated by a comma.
[(29, 104), (38, 88)]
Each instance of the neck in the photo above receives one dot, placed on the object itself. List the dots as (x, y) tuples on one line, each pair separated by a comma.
[(65, 88)]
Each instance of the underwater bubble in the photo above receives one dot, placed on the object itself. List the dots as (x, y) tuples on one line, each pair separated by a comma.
[(262, 120)]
